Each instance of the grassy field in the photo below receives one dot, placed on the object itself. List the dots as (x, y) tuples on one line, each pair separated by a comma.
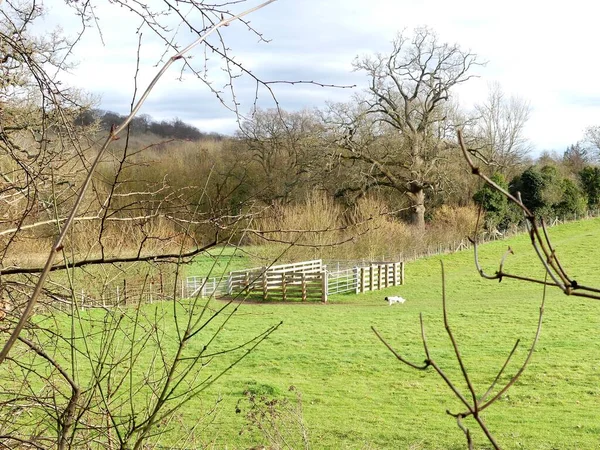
[(356, 395), (219, 261)]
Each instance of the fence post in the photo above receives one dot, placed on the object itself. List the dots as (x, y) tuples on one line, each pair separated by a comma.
[(162, 290), (379, 277), (265, 283), (387, 275), (401, 272), (283, 287), (356, 279), (324, 286), (303, 287), (362, 279), (371, 280), (229, 285), (395, 274)]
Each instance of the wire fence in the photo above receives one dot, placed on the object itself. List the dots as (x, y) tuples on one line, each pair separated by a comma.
[(342, 277), (456, 245)]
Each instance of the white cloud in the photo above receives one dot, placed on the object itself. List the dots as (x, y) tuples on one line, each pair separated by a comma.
[(541, 51)]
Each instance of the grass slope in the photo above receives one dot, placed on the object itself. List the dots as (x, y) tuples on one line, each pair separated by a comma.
[(218, 262), (356, 395)]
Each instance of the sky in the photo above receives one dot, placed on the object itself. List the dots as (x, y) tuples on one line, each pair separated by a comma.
[(543, 52)]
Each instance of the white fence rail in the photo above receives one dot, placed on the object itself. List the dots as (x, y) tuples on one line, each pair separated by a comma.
[(340, 277), (308, 279)]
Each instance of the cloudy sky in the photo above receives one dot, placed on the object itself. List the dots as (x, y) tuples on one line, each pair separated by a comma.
[(544, 52)]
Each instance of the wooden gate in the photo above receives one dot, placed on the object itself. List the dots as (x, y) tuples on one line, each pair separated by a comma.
[(302, 281)]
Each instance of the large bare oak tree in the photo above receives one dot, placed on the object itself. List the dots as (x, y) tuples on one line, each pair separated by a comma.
[(408, 107)]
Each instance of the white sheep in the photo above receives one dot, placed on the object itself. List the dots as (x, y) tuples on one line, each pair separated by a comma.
[(392, 300)]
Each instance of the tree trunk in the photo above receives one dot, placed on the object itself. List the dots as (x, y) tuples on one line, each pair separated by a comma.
[(418, 207)]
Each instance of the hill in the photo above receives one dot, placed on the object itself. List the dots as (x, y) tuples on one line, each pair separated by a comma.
[(355, 394)]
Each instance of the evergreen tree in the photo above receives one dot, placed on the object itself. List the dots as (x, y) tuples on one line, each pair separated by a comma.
[(530, 184), (494, 203), (590, 182)]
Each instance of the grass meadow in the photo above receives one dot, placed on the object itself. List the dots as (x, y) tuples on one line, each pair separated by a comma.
[(356, 395)]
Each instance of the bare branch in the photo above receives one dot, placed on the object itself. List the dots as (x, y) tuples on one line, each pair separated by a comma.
[(540, 242), (57, 247)]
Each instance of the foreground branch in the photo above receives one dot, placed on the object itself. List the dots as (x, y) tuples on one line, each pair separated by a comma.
[(58, 245), (540, 241), (477, 404)]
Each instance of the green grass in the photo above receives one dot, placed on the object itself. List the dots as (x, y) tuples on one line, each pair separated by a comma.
[(357, 395), (220, 261)]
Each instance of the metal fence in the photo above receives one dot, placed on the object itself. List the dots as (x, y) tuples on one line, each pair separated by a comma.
[(342, 281), (206, 287)]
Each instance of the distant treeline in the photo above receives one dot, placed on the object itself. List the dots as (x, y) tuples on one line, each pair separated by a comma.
[(144, 124)]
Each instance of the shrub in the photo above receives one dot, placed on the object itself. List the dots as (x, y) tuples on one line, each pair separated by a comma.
[(590, 182), (494, 203)]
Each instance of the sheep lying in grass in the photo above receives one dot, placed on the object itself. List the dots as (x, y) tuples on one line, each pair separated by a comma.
[(392, 300)]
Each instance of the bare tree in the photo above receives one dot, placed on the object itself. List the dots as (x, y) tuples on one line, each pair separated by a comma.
[(591, 140), (409, 103), (111, 377), (576, 157), (555, 276), (499, 131), (474, 402), (283, 151)]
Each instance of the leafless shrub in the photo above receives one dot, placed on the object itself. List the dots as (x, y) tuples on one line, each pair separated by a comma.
[(106, 377), (280, 421), (556, 276)]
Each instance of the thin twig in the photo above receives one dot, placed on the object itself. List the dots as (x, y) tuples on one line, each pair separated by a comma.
[(57, 247)]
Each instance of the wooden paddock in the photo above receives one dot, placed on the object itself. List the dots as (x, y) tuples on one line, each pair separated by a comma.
[(301, 281), (380, 276), (309, 280)]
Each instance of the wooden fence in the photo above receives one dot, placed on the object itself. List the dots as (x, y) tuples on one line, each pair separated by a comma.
[(284, 281), (380, 276), (307, 280), (303, 281)]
